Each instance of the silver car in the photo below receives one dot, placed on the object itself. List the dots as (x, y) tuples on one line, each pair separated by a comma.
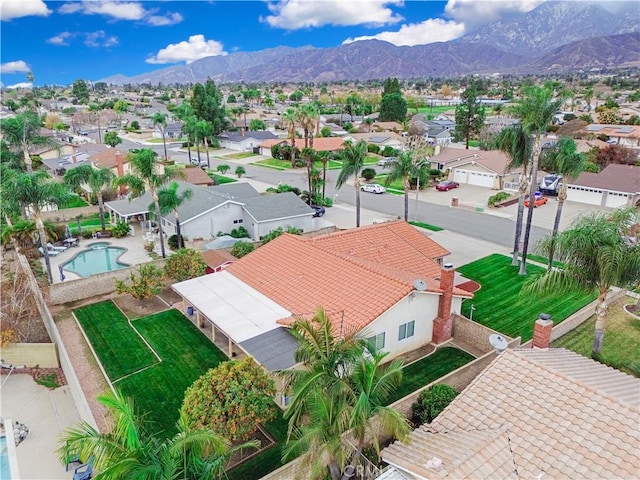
[(373, 188)]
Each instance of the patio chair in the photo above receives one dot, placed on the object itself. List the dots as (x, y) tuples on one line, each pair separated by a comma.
[(83, 472), (51, 253), (51, 246)]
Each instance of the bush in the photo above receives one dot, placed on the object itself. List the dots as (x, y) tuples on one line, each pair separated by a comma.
[(222, 168), (368, 173), (121, 229), (172, 241), (239, 232), (283, 187), (186, 263), (240, 171), (497, 198), (431, 402), (240, 249), (373, 148), (327, 202), (279, 231)]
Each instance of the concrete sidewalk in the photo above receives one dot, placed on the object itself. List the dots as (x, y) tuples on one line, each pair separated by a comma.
[(47, 413)]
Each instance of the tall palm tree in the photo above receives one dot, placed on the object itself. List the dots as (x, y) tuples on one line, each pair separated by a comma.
[(402, 168), (352, 157), (535, 111), (518, 145), (595, 256), (160, 120), (33, 192), (128, 451), (566, 161), (185, 112), (290, 118), (144, 174), (307, 116), (324, 156), (203, 130), (97, 180), (23, 132), (170, 200)]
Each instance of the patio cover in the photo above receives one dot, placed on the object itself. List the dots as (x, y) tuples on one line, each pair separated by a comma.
[(244, 315)]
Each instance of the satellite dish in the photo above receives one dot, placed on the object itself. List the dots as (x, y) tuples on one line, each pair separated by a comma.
[(420, 285), (498, 342)]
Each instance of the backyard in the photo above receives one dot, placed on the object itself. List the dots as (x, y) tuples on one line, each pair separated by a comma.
[(499, 305)]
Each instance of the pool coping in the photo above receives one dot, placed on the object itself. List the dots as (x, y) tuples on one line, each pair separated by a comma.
[(62, 268)]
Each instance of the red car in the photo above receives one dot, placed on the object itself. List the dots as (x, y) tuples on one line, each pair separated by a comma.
[(538, 200), (447, 185)]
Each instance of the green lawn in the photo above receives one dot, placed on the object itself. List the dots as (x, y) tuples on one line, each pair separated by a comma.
[(621, 344), (220, 179), (241, 155), (157, 390), (92, 221), (273, 163), (498, 303), (426, 226)]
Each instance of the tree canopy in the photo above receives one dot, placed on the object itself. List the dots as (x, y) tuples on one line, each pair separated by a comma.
[(207, 105)]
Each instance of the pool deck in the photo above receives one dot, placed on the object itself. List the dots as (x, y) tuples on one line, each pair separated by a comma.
[(47, 413), (134, 255)]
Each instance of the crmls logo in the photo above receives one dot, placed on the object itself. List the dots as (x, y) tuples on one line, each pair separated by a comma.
[(364, 472)]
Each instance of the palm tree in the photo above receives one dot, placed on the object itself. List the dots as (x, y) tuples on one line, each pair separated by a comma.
[(309, 156), (160, 119), (97, 180), (290, 117), (185, 113), (144, 174), (22, 232), (403, 168), (129, 452), (352, 157), (203, 131), (324, 156), (23, 132), (595, 256), (170, 200), (535, 111), (565, 161), (307, 116), (518, 145), (32, 192)]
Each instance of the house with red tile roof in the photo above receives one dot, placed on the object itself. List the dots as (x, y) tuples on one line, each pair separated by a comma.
[(385, 281), (320, 144)]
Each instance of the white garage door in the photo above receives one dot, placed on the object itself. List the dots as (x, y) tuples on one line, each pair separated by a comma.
[(481, 179), (460, 176), (616, 200), (589, 196)]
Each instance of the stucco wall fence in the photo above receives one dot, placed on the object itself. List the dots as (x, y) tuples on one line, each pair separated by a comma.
[(43, 355), (473, 333), (69, 214), (99, 284)]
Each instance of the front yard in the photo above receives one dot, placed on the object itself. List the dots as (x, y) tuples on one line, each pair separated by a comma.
[(498, 304)]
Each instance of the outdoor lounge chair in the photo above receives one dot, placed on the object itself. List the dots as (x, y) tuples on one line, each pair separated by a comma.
[(51, 246), (83, 472), (52, 253)]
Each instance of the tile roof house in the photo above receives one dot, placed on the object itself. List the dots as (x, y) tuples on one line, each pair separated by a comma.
[(381, 139), (320, 144), (625, 135), (197, 176), (615, 186), (222, 208), (383, 280), (544, 414), (244, 141)]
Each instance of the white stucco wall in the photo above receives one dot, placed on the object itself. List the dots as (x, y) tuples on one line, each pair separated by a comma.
[(217, 220), (261, 229)]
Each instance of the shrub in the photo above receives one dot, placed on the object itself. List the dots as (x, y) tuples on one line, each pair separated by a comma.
[(172, 241), (240, 171), (497, 198), (368, 173), (373, 148), (121, 229), (431, 402), (283, 187), (327, 202), (279, 231), (239, 232), (222, 168), (240, 249), (186, 263), (146, 284)]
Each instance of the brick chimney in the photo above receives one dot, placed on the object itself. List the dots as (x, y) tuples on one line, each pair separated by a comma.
[(542, 332), (443, 325), (120, 170)]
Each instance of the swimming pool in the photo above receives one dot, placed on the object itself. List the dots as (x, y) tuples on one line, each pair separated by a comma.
[(99, 257), (5, 470)]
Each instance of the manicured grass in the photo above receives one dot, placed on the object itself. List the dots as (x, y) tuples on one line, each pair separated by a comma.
[(75, 201), (220, 179), (241, 155), (158, 390), (542, 260), (429, 369), (427, 226), (120, 349), (273, 163), (621, 344), (499, 305), (436, 110)]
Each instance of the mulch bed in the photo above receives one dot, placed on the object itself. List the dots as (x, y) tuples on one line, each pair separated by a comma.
[(469, 286)]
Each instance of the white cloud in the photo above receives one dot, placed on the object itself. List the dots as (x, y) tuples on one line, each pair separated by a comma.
[(10, 9), (188, 51), (296, 14), (99, 39), (117, 10), (474, 13), (15, 67), (20, 85), (429, 31), (60, 39)]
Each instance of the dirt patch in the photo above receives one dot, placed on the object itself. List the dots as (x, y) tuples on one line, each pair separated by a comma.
[(242, 456), (170, 296), (133, 308)]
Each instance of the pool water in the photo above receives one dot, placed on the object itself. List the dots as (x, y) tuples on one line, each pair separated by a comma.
[(99, 257), (5, 471)]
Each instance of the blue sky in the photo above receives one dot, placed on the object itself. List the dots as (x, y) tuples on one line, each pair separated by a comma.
[(91, 39)]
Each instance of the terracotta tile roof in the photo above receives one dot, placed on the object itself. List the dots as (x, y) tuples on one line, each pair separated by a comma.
[(563, 415), (107, 158), (320, 144), (618, 178), (197, 176), (215, 258)]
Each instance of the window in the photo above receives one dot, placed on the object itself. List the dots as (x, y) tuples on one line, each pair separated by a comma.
[(377, 341), (406, 330)]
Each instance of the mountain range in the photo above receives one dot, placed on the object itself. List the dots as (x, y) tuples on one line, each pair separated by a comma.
[(555, 36)]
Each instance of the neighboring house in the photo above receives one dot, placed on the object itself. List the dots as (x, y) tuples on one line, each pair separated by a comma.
[(222, 208), (58, 166), (531, 414), (615, 186), (383, 280), (320, 144), (386, 127), (113, 159), (173, 130), (484, 168), (217, 260), (51, 152), (244, 141), (197, 176), (437, 132), (624, 135), (498, 123), (381, 139)]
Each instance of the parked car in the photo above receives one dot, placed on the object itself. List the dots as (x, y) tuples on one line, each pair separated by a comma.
[(537, 201), (373, 188), (318, 210), (447, 185), (202, 163), (383, 162), (83, 132)]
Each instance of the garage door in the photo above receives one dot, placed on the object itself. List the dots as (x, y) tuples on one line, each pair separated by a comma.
[(460, 176), (589, 196), (481, 179), (616, 200)]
